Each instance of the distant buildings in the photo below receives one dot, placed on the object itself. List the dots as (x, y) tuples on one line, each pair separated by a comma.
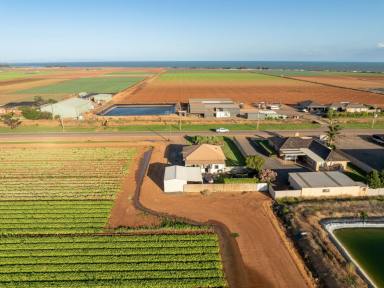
[(73, 108), (214, 107), (313, 107), (210, 158)]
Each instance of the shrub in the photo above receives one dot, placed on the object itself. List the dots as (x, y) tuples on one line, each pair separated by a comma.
[(255, 162), (240, 180), (374, 180), (34, 114)]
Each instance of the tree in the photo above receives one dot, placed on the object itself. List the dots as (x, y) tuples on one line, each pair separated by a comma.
[(10, 120), (334, 130), (255, 162), (374, 180), (34, 114), (267, 175)]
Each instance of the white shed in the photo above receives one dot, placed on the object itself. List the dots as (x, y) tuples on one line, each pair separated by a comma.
[(176, 176), (69, 108)]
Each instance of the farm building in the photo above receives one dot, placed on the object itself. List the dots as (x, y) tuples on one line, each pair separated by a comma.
[(309, 150), (219, 108), (69, 108), (210, 158), (98, 98), (312, 106), (323, 184), (263, 115), (175, 177)]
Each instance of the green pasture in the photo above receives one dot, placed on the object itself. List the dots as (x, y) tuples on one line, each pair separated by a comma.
[(14, 74), (129, 73), (92, 85)]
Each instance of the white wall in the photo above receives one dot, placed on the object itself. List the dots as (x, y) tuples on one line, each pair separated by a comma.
[(174, 185)]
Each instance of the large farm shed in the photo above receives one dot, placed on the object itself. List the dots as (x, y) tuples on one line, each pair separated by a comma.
[(69, 108), (325, 184), (215, 107)]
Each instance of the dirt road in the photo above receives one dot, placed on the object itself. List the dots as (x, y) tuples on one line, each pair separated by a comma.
[(266, 257)]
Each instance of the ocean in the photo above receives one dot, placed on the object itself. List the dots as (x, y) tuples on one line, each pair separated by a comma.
[(297, 65)]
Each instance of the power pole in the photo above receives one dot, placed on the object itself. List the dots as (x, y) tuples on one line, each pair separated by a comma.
[(374, 117), (258, 120)]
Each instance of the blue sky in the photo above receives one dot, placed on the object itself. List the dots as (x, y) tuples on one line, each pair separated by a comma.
[(140, 30)]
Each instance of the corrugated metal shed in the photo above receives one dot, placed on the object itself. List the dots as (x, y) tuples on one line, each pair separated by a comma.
[(69, 108)]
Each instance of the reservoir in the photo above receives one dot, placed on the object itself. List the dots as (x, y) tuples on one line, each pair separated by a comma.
[(139, 110), (366, 245)]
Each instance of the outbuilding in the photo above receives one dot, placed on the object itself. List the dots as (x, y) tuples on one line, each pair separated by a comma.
[(175, 177), (70, 108), (325, 184)]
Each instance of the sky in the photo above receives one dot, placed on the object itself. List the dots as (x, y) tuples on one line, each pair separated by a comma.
[(190, 30)]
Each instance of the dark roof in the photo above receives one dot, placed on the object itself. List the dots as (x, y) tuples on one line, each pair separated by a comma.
[(19, 104), (325, 153), (310, 103), (291, 142)]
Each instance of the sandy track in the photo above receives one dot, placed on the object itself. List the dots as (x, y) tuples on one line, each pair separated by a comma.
[(266, 257)]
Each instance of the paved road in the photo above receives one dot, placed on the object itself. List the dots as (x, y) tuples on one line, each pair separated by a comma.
[(165, 134)]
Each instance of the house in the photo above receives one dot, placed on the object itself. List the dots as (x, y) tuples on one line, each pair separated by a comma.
[(175, 177), (312, 106), (210, 158), (215, 107), (69, 108), (355, 108), (325, 184), (309, 150)]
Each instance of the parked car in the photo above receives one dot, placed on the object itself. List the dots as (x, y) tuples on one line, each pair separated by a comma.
[(378, 138), (222, 130), (303, 110)]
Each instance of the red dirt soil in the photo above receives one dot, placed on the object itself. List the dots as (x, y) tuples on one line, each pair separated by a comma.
[(280, 90), (269, 261), (348, 81)]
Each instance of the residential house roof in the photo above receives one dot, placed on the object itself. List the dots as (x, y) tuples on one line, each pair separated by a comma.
[(282, 143), (310, 104), (355, 105), (203, 154), (188, 174), (326, 153)]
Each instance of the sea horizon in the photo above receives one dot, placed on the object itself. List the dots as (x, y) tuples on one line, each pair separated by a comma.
[(290, 65)]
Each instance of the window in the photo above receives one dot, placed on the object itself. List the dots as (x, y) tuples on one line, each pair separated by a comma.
[(326, 190), (216, 166)]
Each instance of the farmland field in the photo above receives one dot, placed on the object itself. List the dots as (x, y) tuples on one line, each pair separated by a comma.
[(247, 87), (118, 261), (55, 205), (96, 85)]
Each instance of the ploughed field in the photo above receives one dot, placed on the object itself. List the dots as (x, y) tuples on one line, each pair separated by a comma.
[(54, 208), (243, 86)]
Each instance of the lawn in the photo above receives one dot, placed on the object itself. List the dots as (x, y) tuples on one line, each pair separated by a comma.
[(266, 147), (212, 75), (356, 174), (91, 85)]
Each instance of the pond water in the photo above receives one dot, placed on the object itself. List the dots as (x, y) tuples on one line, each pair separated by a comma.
[(139, 110), (366, 245)]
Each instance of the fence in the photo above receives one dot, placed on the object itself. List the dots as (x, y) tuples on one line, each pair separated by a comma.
[(197, 188)]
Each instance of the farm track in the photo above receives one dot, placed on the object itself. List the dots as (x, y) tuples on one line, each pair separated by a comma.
[(257, 258)]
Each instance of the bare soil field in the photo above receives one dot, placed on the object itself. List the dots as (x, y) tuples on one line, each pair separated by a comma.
[(367, 82), (268, 258), (248, 91)]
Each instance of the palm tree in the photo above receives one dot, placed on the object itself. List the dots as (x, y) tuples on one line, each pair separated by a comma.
[(334, 130)]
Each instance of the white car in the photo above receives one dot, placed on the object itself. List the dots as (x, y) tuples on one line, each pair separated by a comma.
[(222, 130)]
